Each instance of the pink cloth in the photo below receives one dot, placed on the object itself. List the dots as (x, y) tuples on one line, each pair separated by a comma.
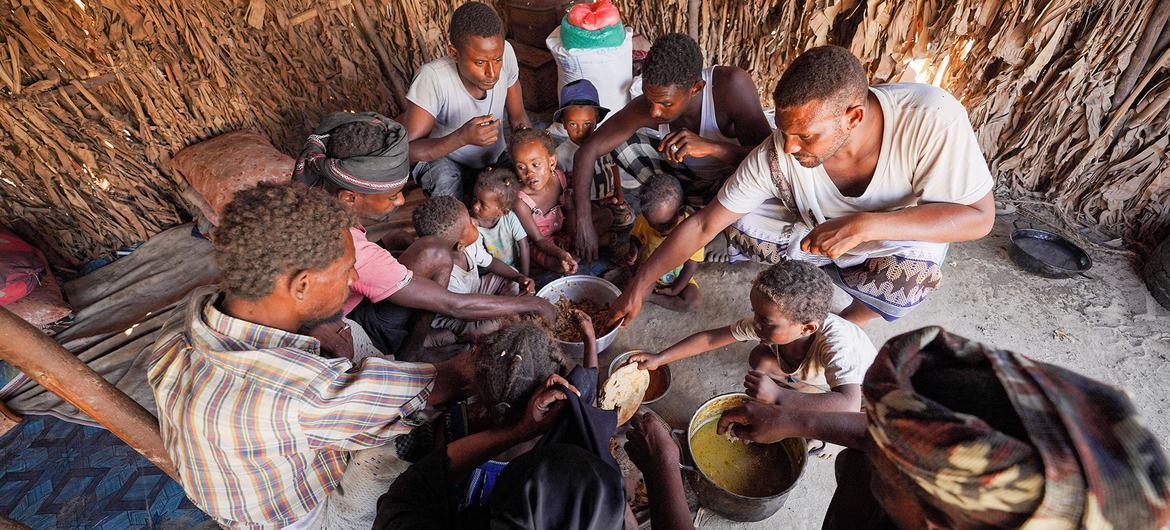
[(550, 222), (379, 274)]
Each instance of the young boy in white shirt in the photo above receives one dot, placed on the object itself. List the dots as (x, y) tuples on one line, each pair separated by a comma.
[(802, 345)]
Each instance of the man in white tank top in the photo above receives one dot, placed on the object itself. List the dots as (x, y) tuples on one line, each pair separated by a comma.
[(720, 103), (871, 183)]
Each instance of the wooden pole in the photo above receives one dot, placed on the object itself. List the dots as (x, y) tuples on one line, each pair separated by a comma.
[(63, 374)]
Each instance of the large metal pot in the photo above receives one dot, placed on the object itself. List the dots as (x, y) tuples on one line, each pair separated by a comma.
[(578, 288), (730, 505)]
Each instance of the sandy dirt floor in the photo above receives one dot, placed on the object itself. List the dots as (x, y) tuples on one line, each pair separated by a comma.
[(1108, 328)]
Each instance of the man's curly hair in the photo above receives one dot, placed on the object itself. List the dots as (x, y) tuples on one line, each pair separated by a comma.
[(439, 216), (503, 182), (273, 229), (473, 19), (512, 363), (801, 290), (355, 139), (524, 136), (825, 73), (674, 60)]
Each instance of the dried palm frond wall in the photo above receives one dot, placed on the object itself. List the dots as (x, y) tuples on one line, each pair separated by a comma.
[(1071, 98), (95, 96)]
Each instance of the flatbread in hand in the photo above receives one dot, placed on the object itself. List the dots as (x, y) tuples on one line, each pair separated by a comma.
[(624, 391)]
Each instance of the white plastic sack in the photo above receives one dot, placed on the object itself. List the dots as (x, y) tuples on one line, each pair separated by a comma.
[(609, 69)]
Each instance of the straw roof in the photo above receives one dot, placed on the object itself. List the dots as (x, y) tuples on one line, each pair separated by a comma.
[(1071, 98)]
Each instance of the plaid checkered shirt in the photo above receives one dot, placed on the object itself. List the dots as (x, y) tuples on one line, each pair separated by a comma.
[(258, 423)]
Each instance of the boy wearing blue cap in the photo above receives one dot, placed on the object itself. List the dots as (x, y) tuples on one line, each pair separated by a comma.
[(580, 113)]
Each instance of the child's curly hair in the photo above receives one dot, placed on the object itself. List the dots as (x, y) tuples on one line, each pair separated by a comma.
[(803, 291), (503, 182), (524, 136), (512, 363)]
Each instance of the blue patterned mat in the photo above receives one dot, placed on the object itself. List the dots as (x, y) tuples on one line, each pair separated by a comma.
[(55, 474)]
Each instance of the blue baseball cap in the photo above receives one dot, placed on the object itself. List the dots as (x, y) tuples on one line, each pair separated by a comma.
[(580, 92)]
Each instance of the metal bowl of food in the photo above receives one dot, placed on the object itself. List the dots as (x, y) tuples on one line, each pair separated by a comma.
[(589, 294), (659, 379)]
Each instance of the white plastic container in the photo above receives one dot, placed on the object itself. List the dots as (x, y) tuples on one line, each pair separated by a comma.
[(609, 69)]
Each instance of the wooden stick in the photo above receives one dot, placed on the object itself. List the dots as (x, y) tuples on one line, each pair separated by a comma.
[(63, 374)]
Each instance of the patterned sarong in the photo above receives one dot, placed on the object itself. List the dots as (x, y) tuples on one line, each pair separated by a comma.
[(1076, 458), (889, 277)]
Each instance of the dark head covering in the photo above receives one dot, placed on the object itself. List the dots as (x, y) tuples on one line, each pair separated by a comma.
[(381, 171), (580, 92), (558, 486), (988, 438)]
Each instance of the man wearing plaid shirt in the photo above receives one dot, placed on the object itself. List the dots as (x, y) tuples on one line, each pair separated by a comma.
[(264, 431)]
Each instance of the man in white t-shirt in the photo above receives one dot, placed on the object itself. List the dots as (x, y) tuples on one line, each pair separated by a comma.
[(455, 103), (870, 182)]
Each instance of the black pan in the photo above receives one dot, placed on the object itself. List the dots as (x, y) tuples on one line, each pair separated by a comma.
[(1047, 254)]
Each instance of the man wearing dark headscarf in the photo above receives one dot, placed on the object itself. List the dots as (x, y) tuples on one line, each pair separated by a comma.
[(363, 159), (960, 435)]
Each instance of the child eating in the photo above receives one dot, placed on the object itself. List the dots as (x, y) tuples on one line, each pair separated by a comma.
[(662, 210), (450, 251), (542, 200), (491, 209), (579, 114), (800, 342)]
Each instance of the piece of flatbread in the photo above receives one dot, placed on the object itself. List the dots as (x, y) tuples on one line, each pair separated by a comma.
[(624, 391)]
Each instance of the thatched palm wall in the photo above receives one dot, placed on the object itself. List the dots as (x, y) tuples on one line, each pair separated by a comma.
[(1070, 97)]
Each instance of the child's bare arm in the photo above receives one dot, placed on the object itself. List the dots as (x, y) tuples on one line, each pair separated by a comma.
[(842, 398), (506, 271), (538, 240), (524, 254), (700, 342), (585, 324)]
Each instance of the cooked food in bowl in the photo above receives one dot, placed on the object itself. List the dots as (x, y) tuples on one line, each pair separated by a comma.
[(566, 327)]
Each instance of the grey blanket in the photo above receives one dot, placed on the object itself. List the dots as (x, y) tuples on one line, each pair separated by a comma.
[(119, 310)]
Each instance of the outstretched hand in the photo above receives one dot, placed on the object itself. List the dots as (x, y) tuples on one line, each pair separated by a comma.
[(757, 422), (585, 324), (649, 445), (626, 306), (647, 360)]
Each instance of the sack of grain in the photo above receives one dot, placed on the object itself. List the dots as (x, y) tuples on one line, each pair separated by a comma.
[(219, 167)]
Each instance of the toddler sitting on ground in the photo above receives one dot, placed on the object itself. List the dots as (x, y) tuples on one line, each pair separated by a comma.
[(801, 345), (491, 209), (662, 210), (450, 251)]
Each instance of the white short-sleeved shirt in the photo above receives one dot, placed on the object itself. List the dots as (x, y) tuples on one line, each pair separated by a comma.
[(467, 281), (439, 90), (929, 154), (840, 352), (500, 240)]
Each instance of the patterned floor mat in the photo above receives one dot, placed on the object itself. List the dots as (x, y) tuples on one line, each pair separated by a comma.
[(55, 474)]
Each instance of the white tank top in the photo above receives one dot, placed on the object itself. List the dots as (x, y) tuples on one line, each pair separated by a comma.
[(709, 129)]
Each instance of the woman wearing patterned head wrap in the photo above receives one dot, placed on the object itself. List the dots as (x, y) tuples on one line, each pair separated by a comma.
[(957, 434), (363, 159)]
